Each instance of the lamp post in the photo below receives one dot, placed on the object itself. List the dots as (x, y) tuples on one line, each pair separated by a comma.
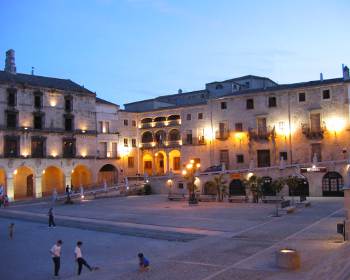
[(189, 174)]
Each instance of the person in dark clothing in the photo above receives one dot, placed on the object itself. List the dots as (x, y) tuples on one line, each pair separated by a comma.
[(56, 256), (51, 218), (143, 262), (79, 258)]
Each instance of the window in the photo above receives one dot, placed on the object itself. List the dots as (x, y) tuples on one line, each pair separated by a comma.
[(224, 157), (223, 105), (247, 84), (11, 146), (68, 103), (68, 122), (189, 139), (262, 128), (102, 149), (11, 97), (250, 104), (272, 101), (176, 163), (180, 185), (133, 123), (200, 116), (38, 121), (316, 151), (239, 127), (68, 148), (106, 127), (302, 96), (222, 133), (126, 142), (315, 120), (188, 117), (11, 119), (219, 86), (326, 94), (114, 149), (126, 122), (133, 143), (100, 126), (131, 162), (284, 155), (263, 158), (38, 147), (240, 158), (38, 100)]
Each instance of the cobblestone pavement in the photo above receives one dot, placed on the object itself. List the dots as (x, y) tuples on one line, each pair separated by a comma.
[(211, 241)]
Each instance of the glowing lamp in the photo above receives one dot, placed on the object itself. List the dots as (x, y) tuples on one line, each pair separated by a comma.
[(15, 172)]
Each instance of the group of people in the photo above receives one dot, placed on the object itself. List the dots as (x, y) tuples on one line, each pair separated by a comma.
[(56, 253), (4, 199), (56, 258)]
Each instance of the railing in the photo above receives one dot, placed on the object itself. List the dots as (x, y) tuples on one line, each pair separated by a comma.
[(195, 141), (313, 133), (222, 134), (161, 124), (264, 134)]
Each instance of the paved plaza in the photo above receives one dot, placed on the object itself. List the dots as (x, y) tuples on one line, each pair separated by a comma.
[(209, 241)]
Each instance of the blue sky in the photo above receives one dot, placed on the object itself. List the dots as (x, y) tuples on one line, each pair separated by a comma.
[(127, 50)]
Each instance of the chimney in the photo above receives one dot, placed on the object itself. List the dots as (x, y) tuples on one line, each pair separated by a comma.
[(346, 75), (179, 91), (32, 70), (10, 65), (321, 76)]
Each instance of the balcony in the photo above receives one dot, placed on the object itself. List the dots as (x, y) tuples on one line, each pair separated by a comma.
[(313, 133), (222, 134), (195, 141), (160, 124), (259, 135)]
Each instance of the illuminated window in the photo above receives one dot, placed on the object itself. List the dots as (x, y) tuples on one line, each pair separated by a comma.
[(131, 162)]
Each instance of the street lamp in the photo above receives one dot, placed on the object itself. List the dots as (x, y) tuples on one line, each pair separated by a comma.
[(189, 174)]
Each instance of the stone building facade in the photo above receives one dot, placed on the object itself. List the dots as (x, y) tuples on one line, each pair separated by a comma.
[(55, 132)]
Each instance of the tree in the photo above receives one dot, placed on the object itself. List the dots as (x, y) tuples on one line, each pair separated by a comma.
[(277, 185), (254, 184), (221, 187), (292, 183)]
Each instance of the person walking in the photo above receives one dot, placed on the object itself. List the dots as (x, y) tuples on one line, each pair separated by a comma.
[(79, 258), (11, 230), (56, 256), (143, 263), (51, 218)]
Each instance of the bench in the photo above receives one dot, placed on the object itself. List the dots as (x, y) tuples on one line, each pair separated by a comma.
[(271, 199), (238, 198), (176, 197), (207, 198)]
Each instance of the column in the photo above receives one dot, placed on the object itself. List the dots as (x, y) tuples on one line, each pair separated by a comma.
[(153, 165), (38, 186), (10, 190), (347, 212), (167, 167)]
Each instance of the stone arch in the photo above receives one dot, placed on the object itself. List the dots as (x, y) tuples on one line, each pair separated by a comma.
[(173, 117), (146, 120), (174, 135), (332, 184), (52, 178), (108, 174), (160, 137), (209, 188), (147, 137), (160, 161), (23, 182), (147, 161), (237, 188), (302, 188), (175, 160), (81, 177), (159, 119)]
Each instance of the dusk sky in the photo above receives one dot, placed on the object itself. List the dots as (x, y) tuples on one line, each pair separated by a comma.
[(128, 50)]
